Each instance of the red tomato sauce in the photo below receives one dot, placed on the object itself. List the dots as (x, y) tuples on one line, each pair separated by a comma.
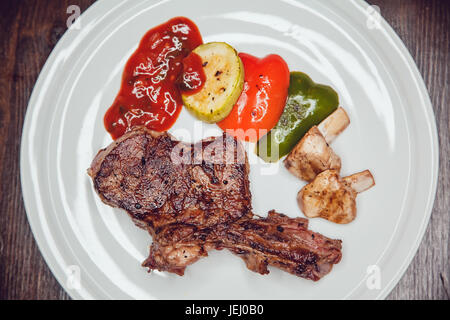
[(149, 94), (193, 77)]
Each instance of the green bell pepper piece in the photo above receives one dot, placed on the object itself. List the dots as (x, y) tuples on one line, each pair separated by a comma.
[(308, 103)]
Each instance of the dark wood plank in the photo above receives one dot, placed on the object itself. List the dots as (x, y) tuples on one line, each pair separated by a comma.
[(29, 31)]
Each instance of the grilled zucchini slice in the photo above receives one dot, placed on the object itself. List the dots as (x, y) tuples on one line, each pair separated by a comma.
[(224, 82)]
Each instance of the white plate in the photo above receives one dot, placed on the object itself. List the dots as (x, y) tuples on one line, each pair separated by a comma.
[(339, 43)]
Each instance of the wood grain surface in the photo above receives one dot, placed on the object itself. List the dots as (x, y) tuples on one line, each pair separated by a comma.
[(29, 31)]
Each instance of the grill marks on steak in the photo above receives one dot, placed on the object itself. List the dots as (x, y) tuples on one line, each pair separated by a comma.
[(202, 203), (142, 174), (283, 242)]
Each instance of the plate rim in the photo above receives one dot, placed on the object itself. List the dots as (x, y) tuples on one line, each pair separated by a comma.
[(431, 120), (29, 197)]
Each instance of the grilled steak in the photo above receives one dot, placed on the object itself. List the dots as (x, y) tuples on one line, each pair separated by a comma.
[(144, 173), (282, 242), (193, 198)]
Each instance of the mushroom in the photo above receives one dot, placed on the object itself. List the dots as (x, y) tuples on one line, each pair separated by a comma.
[(333, 198), (313, 154)]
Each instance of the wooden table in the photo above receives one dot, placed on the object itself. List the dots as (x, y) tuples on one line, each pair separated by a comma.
[(29, 31)]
